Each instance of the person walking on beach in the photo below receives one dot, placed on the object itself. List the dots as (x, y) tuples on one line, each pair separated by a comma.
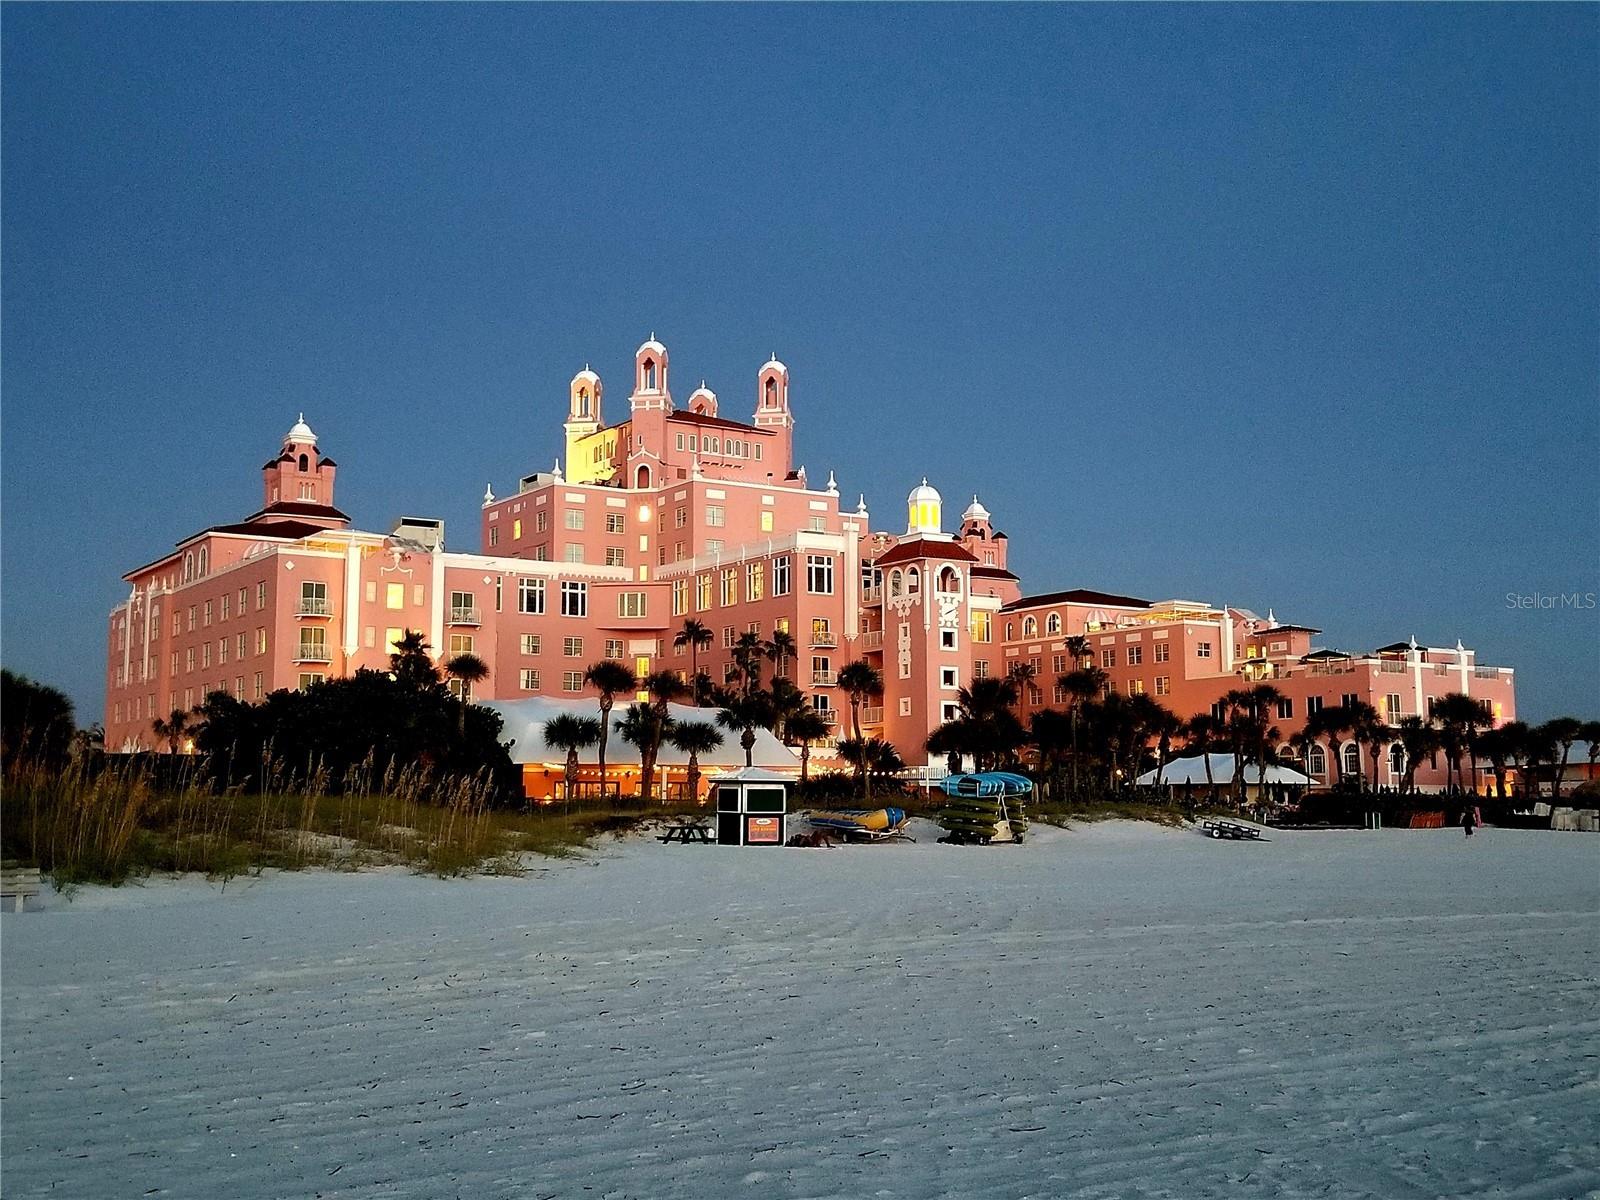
[(1469, 818)]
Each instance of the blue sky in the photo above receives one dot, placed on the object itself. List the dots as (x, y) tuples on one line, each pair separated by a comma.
[(1270, 306)]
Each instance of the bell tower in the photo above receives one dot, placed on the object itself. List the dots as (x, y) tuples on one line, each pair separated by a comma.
[(772, 413), (298, 478), (583, 412), (650, 405)]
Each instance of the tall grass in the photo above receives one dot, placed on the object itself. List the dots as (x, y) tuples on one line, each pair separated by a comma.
[(109, 819)]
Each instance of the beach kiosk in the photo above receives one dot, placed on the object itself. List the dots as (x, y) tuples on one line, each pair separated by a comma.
[(752, 807)]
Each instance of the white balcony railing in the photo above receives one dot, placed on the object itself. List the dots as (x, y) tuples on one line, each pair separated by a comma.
[(824, 637), (1390, 666), (464, 616), (830, 715), (314, 608), (312, 652), (872, 715), (872, 639), (872, 595), (824, 678)]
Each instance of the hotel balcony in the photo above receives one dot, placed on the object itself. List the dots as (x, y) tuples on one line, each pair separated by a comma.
[(830, 715), (824, 638), (314, 608), (465, 616), (872, 595), (872, 715), (824, 678), (313, 652), (872, 639)]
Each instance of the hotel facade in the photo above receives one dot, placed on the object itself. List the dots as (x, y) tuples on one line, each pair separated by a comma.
[(675, 513)]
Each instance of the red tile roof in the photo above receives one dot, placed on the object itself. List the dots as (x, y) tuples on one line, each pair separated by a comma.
[(1077, 596), (299, 508), (915, 548), (694, 418)]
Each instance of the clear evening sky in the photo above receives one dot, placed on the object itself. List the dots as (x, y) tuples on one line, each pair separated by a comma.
[(1268, 306)]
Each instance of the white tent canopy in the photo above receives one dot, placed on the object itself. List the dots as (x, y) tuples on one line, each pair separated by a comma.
[(525, 721), (1193, 770)]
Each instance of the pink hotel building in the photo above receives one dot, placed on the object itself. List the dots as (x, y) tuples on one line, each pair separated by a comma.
[(675, 513)]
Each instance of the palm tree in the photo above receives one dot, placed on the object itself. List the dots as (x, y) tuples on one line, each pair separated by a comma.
[(172, 729), (1082, 684), (788, 702), (859, 680), (695, 738), (644, 725), (1163, 724), (571, 733), (805, 727), (611, 679), (663, 687), (1459, 717), (1021, 676), (1080, 651), (1419, 740), (469, 669), (994, 733), (780, 648), (1371, 731), (1050, 731), (748, 652), (1591, 733), (953, 740), (696, 637), (1563, 731), (1333, 724), (1199, 732), (747, 712), (410, 663), (871, 757), (1263, 700), (1498, 745)]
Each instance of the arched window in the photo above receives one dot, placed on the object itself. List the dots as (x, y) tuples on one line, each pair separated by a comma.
[(913, 580), (1352, 758), (188, 566), (1052, 624), (305, 463), (649, 374), (1316, 762), (1011, 630), (205, 560), (642, 479), (949, 581), (772, 391), (583, 402), (895, 583), (1030, 627), (1397, 759)]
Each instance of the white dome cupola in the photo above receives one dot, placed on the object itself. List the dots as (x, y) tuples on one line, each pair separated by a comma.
[(976, 512), (300, 433), (924, 509)]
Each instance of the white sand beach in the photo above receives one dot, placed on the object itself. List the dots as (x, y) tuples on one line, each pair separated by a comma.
[(1112, 1011)]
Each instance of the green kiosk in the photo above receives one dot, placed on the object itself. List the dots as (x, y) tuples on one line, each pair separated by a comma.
[(752, 807)]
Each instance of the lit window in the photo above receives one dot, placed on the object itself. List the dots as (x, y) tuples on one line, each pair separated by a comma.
[(754, 580), (766, 522), (394, 596), (680, 597), (516, 530), (730, 586)]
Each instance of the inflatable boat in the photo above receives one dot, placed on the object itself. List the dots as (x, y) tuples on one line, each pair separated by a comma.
[(874, 823)]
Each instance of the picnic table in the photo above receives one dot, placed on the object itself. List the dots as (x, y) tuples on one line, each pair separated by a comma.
[(686, 832), (1230, 829)]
